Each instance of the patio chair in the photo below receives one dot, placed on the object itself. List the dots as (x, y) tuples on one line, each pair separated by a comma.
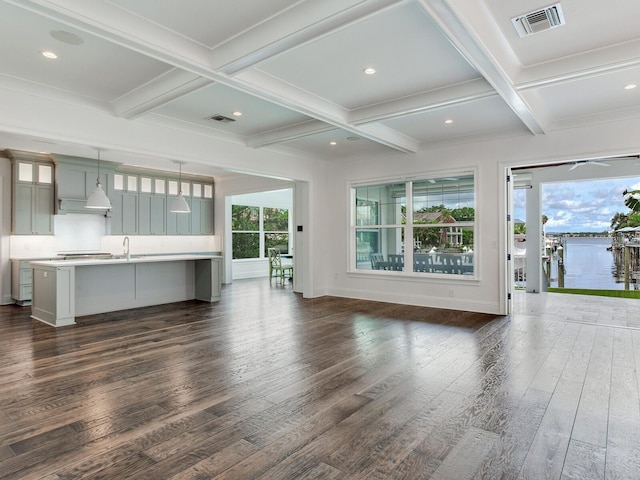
[(396, 261), (377, 261), (276, 268)]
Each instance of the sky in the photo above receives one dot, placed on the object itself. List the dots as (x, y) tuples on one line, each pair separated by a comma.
[(585, 206)]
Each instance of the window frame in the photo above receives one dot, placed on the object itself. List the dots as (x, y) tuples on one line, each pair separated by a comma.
[(410, 226), (262, 232)]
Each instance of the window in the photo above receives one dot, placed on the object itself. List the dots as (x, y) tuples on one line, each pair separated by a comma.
[(245, 226), (256, 229), (417, 227), (276, 229)]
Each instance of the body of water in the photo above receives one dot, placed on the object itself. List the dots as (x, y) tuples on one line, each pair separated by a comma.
[(588, 264)]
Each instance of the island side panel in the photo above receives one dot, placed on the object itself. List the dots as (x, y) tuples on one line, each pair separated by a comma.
[(53, 300), (165, 282), (208, 279), (105, 288)]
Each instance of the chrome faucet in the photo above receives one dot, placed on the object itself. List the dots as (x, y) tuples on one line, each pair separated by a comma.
[(125, 243)]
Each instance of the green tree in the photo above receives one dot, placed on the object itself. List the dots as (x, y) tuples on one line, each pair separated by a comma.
[(631, 200)]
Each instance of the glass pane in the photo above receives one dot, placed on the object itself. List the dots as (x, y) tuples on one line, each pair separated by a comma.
[(45, 174), (245, 218), (246, 245), (160, 186), (197, 190), (186, 189), (173, 187), (443, 200), (380, 204), (276, 240), (380, 248), (118, 181), (275, 219), (208, 191), (132, 183), (145, 185), (25, 172), (440, 249)]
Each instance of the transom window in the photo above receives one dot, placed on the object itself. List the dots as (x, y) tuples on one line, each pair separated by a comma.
[(417, 227)]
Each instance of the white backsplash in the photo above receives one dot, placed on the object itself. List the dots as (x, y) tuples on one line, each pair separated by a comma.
[(86, 233)]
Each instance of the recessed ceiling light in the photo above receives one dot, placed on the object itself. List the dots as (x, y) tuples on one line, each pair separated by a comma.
[(631, 86), (49, 54), (448, 121), (237, 113), (333, 142), (369, 70)]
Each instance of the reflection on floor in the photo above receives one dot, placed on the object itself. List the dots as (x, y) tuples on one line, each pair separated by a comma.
[(268, 385)]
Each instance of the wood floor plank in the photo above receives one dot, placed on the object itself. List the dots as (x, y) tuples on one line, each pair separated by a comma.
[(266, 384)]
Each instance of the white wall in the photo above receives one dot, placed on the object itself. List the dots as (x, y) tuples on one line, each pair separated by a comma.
[(490, 160), (324, 212)]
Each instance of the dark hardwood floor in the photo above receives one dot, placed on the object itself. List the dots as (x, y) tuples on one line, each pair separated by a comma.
[(268, 385)]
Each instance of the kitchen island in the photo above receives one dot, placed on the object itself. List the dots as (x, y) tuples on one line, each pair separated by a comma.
[(66, 289)]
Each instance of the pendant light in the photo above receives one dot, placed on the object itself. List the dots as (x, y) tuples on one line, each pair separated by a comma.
[(98, 199), (179, 204)]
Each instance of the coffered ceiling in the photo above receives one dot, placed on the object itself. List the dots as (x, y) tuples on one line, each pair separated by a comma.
[(446, 71)]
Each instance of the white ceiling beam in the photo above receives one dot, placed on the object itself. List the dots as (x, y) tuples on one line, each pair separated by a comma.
[(130, 31), (424, 101), (584, 65), (304, 22), (159, 91), (284, 94), (471, 47), (288, 133)]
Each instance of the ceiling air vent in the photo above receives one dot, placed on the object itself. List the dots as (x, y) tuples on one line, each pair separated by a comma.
[(539, 20), (222, 118)]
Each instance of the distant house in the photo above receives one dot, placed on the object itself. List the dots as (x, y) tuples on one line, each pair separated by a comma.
[(449, 235)]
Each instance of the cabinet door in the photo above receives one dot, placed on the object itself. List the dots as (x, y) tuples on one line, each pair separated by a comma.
[(184, 221), (116, 213), (144, 212), (43, 208), (158, 215), (206, 214), (196, 218), (23, 209), (129, 214), (178, 223)]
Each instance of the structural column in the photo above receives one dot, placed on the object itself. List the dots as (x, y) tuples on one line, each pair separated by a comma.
[(534, 238)]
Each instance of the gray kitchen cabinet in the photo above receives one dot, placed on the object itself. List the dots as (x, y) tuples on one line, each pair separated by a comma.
[(152, 206), (141, 200), (124, 213), (32, 200), (201, 216), (123, 194), (178, 223), (21, 279), (158, 215), (75, 180)]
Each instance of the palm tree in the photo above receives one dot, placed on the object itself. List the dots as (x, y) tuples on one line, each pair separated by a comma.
[(631, 200)]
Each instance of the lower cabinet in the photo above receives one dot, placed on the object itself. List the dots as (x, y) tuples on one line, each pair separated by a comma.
[(22, 280)]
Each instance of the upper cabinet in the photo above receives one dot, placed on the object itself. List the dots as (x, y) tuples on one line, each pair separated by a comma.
[(32, 199), (141, 201), (44, 185), (76, 178)]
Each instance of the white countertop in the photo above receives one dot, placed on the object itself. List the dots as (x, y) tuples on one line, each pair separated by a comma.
[(134, 259)]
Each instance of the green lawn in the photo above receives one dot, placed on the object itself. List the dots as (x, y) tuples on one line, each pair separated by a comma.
[(601, 293)]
